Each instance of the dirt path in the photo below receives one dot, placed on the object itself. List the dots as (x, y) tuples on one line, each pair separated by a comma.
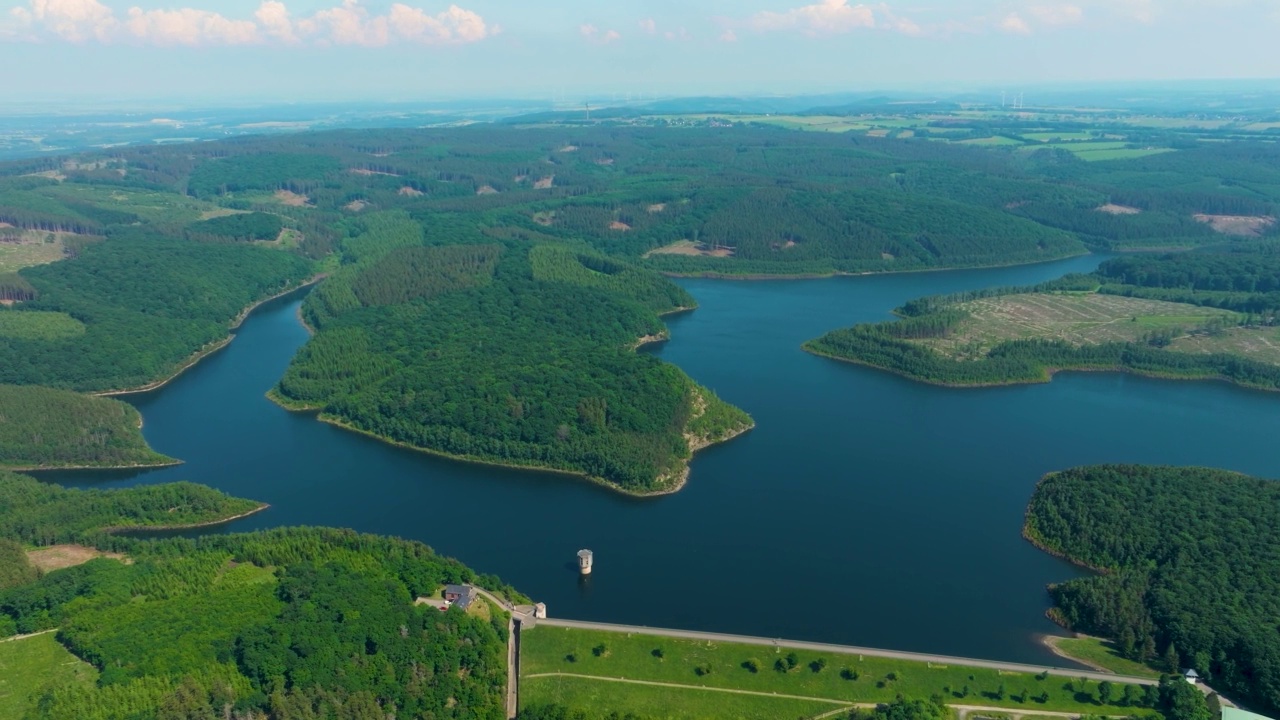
[(680, 686), (962, 710), (24, 637)]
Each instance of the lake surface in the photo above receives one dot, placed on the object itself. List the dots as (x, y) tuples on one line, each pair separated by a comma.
[(864, 509)]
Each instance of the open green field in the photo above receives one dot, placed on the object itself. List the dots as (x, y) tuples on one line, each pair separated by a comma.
[(666, 703), (991, 141), (1120, 153), (31, 665), (33, 248), (835, 677), (1076, 318), (150, 205), (1102, 653), (1066, 136), (38, 325)]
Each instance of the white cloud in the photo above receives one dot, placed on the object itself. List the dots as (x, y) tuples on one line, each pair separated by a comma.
[(729, 36), (273, 18), (1057, 14), (593, 33), (71, 20), (826, 17), (188, 27), (347, 24), (1013, 23), (649, 26)]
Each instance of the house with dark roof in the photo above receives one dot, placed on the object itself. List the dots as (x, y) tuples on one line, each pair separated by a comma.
[(460, 596)]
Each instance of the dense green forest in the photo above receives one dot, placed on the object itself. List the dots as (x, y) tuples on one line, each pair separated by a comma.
[(1190, 561), (39, 513), (46, 428), (543, 337), (147, 304), (287, 623)]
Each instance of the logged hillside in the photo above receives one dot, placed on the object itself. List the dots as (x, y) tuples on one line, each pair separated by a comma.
[(1192, 568)]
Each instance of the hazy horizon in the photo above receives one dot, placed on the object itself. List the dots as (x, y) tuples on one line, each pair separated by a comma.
[(352, 50)]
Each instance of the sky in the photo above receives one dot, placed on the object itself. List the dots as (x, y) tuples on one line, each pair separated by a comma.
[(422, 50)]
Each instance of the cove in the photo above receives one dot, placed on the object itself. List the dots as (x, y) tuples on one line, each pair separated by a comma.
[(863, 509)]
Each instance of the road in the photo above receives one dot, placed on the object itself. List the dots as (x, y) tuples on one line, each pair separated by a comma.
[(845, 650)]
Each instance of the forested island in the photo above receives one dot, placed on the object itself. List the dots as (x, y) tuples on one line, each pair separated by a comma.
[(1208, 314), (1188, 562), (43, 428)]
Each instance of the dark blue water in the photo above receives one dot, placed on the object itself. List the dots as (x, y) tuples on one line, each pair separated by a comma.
[(864, 509)]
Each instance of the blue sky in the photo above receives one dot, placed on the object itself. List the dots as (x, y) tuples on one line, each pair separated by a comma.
[(423, 49)]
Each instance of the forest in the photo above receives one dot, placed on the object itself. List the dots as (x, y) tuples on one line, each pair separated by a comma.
[(147, 304), (47, 428), (297, 622), (1189, 563)]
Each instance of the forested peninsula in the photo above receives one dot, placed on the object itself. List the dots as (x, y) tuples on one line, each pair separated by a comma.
[(1209, 314), (1188, 562), (504, 353), (43, 428)]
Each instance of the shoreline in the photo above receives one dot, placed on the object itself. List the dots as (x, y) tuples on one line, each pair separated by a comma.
[(761, 277), (54, 468), (208, 350), (116, 529), (1050, 373), (473, 460)]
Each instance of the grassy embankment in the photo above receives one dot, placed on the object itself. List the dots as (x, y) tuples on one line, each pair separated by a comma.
[(693, 665), (30, 666), (1099, 653)]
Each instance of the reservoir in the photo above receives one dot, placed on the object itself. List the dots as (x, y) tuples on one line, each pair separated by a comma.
[(864, 509)]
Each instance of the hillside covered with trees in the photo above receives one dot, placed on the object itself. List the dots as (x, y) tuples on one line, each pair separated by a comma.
[(502, 353), (46, 428), (291, 623), (1190, 568)]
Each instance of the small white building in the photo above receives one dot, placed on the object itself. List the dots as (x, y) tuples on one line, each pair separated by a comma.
[(1191, 676), (540, 611), (585, 559)]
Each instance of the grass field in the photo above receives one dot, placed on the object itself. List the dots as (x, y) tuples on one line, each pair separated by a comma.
[(1120, 153), (1080, 319), (1102, 653), (841, 678), (1260, 344), (995, 140), (665, 703), (147, 204), (1058, 136), (38, 325), (30, 665)]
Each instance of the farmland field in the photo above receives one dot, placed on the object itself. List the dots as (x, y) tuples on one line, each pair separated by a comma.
[(31, 665), (1080, 319)]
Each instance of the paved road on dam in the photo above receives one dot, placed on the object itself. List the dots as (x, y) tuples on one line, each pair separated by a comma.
[(844, 649)]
